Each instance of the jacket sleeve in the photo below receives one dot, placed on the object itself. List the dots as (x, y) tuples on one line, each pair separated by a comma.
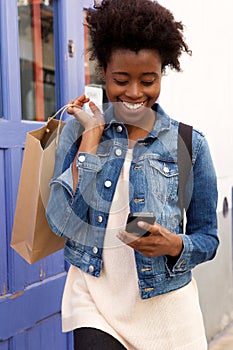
[(200, 240), (67, 212)]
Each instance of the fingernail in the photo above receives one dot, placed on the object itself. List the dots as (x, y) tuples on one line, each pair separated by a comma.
[(141, 224)]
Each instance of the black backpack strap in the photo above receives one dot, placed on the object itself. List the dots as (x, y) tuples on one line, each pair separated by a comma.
[(184, 161)]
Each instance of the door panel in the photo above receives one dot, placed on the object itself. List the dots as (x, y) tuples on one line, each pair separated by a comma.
[(30, 295), (46, 336), (29, 307), (3, 245)]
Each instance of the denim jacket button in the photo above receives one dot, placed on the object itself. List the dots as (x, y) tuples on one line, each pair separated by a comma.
[(118, 152), (119, 128), (181, 263), (81, 159), (166, 169), (91, 268), (108, 183), (95, 250), (100, 218)]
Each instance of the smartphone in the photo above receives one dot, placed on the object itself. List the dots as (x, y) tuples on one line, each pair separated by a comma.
[(133, 218)]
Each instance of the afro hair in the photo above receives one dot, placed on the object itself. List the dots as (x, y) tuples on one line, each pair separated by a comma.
[(135, 25)]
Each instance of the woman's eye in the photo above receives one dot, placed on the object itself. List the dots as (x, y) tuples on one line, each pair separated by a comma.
[(119, 82), (125, 82), (147, 83)]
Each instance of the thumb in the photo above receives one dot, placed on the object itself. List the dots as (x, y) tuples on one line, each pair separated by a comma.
[(144, 225)]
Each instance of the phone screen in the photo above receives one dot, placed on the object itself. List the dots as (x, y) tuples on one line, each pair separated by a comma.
[(133, 219)]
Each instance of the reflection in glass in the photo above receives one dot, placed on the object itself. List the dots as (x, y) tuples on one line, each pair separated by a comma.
[(37, 71)]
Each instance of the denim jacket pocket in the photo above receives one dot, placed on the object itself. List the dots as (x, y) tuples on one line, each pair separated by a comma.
[(164, 177)]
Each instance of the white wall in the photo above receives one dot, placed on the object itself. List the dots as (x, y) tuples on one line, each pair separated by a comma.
[(202, 95)]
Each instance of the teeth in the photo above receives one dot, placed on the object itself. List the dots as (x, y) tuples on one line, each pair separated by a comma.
[(132, 106)]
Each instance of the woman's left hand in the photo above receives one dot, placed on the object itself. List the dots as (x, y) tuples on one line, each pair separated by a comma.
[(159, 242)]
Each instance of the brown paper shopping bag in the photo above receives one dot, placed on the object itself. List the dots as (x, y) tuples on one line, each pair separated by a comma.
[(32, 237)]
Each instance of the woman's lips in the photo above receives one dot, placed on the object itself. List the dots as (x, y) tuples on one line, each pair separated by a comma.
[(136, 114), (133, 106)]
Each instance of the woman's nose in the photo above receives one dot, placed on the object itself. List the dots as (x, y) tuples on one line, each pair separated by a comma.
[(134, 91)]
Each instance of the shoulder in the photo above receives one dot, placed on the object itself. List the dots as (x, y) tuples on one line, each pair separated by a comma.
[(196, 134), (198, 138), (200, 147)]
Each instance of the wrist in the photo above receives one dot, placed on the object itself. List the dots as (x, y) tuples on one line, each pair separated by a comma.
[(90, 140), (93, 130), (176, 246)]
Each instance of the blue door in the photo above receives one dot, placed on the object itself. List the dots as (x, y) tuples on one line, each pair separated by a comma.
[(41, 68)]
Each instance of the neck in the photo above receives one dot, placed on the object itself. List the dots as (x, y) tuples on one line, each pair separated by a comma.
[(136, 132)]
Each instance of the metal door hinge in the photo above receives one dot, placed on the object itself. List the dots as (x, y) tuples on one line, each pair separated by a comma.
[(71, 48)]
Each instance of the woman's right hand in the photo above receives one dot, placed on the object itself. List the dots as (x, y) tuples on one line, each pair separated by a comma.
[(93, 122), (93, 129)]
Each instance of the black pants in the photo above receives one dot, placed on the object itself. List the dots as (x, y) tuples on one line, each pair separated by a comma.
[(95, 339)]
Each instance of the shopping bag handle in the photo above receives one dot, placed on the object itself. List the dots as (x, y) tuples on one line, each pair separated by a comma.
[(62, 111)]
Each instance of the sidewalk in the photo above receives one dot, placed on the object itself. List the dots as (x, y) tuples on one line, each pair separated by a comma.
[(224, 341)]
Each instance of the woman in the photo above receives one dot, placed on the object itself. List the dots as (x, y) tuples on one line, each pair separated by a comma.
[(123, 291)]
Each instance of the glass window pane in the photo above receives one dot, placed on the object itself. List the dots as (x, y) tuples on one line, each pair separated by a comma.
[(37, 70)]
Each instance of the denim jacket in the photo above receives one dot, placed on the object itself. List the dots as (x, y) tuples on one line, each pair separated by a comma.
[(82, 216)]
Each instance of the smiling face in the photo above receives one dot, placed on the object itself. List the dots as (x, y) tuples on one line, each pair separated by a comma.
[(133, 82)]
